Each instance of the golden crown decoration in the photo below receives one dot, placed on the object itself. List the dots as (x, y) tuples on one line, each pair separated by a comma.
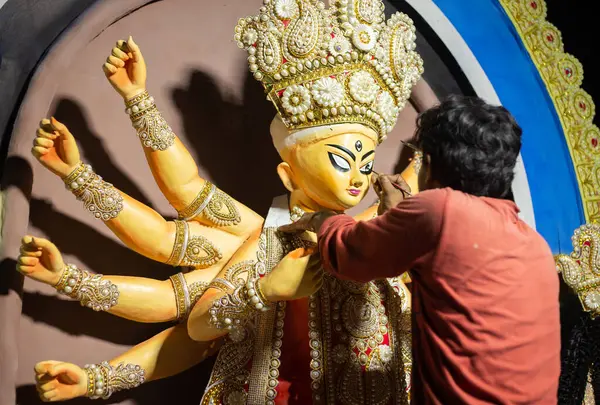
[(342, 64), (581, 269)]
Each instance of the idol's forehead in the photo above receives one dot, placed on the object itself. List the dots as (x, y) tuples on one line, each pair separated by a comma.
[(285, 140), (357, 141)]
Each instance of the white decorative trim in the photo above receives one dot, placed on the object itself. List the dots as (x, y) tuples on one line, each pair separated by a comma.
[(279, 213), (284, 139), (482, 86)]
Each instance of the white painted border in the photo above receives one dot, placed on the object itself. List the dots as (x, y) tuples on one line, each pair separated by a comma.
[(482, 86)]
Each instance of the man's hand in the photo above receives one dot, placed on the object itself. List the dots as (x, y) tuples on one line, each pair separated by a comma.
[(308, 222), (125, 69), (389, 194), (299, 274)]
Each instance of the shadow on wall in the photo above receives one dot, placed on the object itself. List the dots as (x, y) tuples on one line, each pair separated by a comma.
[(233, 146), (18, 174), (232, 141)]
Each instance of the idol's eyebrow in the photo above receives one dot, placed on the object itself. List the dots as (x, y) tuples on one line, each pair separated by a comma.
[(366, 155), (343, 150)]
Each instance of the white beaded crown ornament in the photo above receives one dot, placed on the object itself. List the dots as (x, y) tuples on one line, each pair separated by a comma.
[(342, 64), (581, 269)]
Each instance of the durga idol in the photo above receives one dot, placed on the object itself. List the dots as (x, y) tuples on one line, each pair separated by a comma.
[(285, 333)]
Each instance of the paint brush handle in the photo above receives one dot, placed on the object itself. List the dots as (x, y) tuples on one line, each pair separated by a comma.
[(396, 186)]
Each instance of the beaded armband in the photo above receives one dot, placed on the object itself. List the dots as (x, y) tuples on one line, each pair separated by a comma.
[(182, 295), (98, 196), (186, 296), (104, 379), (182, 233), (217, 207), (149, 124), (195, 251), (233, 310), (91, 291)]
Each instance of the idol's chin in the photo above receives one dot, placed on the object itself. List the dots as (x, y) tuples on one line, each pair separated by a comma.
[(349, 201)]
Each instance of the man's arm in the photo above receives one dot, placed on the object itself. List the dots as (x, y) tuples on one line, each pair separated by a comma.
[(387, 246)]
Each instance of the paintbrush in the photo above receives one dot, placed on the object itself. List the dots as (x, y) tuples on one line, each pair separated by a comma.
[(396, 185), (410, 145)]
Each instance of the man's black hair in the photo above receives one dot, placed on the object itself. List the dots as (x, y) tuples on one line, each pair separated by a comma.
[(473, 145)]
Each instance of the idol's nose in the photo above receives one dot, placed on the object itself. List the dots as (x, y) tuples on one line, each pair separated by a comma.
[(357, 182)]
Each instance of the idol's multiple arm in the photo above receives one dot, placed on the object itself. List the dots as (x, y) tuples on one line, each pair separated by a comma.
[(214, 234)]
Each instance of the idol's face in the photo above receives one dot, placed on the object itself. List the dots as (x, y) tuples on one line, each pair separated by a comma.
[(335, 172)]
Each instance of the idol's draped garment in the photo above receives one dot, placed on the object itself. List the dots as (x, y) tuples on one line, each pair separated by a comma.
[(348, 344)]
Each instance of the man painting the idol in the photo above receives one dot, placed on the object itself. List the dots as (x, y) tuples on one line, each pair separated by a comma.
[(283, 331), (478, 336)]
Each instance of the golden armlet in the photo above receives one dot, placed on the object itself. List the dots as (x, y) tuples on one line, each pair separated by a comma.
[(216, 206), (149, 124), (235, 309), (98, 196), (195, 251), (186, 296), (104, 379), (91, 290), (182, 234)]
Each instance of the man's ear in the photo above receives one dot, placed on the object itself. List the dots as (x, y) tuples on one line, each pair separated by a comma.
[(286, 174)]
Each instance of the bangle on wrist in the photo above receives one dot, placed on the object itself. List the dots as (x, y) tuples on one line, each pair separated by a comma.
[(98, 196), (104, 379), (92, 291), (151, 127), (128, 97), (256, 296), (232, 311)]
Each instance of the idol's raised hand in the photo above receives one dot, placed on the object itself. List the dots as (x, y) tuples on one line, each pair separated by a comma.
[(58, 381), (39, 259), (55, 147), (298, 274), (125, 69)]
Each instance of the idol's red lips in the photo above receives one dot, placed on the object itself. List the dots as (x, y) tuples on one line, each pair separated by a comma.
[(353, 191)]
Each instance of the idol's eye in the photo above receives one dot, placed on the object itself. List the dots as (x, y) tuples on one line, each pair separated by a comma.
[(339, 162), (367, 169)]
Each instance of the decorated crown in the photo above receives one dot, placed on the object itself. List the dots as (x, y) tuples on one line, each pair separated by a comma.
[(581, 269), (324, 66)]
